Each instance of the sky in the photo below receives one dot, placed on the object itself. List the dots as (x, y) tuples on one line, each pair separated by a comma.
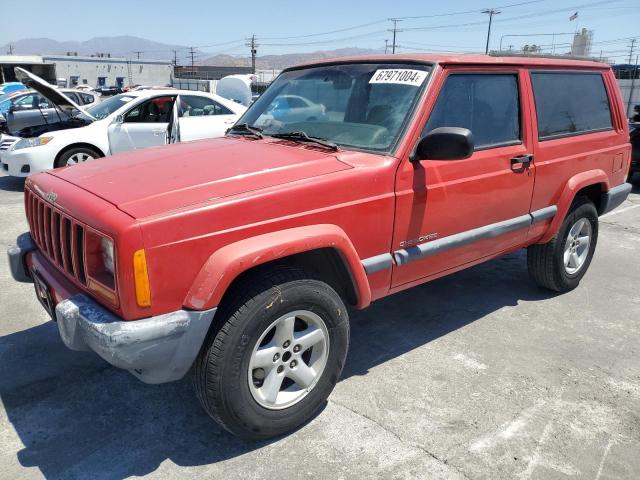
[(288, 26)]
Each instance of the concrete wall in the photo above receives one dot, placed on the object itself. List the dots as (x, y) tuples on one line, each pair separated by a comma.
[(88, 70), (625, 89)]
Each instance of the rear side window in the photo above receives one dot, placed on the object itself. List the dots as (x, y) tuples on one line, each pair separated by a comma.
[(570, 103), (486, 104), (86, 98)]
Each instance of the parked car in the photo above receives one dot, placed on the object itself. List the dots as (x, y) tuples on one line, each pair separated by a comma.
[(10, 87), (124, 122), (29, 108), (108, 90), (236, 258), (85, 87), (634, 136), (295, 108)]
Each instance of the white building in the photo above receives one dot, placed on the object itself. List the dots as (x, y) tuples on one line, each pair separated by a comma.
[(93, 71)]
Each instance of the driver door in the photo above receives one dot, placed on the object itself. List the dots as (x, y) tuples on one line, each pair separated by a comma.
[(455, 212), (145, 125)]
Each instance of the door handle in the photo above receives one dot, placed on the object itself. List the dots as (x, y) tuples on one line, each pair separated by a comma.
[(157, 133), (229, 122), (521, 163)]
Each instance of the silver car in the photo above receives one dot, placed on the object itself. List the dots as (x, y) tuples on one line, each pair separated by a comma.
[(28, 108)]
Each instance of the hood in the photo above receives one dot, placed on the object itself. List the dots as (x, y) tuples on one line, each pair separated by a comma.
[(49, 91), (156, 180)]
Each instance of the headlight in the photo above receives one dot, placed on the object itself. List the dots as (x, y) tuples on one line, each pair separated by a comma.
[(106, 246), (32, 142)]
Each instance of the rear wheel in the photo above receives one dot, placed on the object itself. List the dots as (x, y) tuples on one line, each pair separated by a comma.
[(276, 355), (75, 156), (560, 264)]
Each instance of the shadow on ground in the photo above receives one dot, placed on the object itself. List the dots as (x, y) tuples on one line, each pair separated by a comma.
[(11, 184), (79, 417)]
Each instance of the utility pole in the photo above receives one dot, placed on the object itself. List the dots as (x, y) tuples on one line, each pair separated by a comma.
[(633, 85), (254, 50), (192, 54), (633, 44), (10, 52), (386, 45), (138, 53), (491, 12), (395, 30), (175, 58)]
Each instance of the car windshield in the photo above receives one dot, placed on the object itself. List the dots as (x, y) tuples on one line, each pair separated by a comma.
[(359, 105), (107, 107)]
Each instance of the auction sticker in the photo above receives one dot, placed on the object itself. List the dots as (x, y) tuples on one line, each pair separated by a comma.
[(400, 76)]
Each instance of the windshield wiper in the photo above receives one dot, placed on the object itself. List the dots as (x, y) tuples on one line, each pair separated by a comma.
[(303, 137), (246, 129)]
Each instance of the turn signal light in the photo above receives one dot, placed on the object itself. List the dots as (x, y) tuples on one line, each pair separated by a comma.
[(143, 292)]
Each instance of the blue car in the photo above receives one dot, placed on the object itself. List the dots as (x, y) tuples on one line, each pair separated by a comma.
[(11, 87)]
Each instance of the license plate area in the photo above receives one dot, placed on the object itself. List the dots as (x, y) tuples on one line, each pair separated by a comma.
[(43, 293)]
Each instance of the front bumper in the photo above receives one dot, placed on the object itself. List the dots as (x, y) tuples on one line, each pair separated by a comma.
[(26, 161), (156, 350)]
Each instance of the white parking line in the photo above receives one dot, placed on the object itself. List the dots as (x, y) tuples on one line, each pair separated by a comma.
[(622, 210)]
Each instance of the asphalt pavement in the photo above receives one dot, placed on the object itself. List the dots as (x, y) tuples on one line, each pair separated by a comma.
[(479, 375)]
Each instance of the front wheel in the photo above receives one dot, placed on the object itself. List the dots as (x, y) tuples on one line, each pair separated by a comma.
[(560, 264), (75, 156), (276, 355)]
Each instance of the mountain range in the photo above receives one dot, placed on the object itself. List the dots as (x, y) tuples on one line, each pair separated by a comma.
[(127, 46)]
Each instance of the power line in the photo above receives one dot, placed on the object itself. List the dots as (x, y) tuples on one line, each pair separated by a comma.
[(466, 12), (377, 22)]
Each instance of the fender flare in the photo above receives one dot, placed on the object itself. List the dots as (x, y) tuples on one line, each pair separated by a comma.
[(225, 264), (571, 188)]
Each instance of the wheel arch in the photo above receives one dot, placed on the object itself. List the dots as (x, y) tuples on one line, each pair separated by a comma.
[(592, 184), (77, 145), (323, 249)]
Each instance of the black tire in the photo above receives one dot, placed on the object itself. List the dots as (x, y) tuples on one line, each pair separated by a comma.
[(220, 373), (83, 151), (634, 178), (546, 261)]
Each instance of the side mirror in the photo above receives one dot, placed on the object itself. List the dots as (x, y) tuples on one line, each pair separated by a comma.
[(118, 120), (43, 105), (444, 143), (13, 108)]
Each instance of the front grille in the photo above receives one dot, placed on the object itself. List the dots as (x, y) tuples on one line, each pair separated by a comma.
[(58, 236), (7, 144)]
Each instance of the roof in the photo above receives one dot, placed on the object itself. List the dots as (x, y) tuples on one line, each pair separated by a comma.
[(466, 59)]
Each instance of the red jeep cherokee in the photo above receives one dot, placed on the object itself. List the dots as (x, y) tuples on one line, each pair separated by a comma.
[(346, 181)]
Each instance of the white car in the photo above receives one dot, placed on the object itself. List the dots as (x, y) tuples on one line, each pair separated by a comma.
[(124, 122), (294, 108)]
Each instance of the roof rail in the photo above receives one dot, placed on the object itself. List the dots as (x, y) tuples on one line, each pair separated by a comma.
[(506, 53)]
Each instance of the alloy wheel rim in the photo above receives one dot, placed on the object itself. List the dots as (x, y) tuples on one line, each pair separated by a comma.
[(288, 359), (576, 247), (79, 158)]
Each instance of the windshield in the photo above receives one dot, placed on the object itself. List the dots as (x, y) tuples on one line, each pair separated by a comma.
[(358, 105), (107, 107)]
